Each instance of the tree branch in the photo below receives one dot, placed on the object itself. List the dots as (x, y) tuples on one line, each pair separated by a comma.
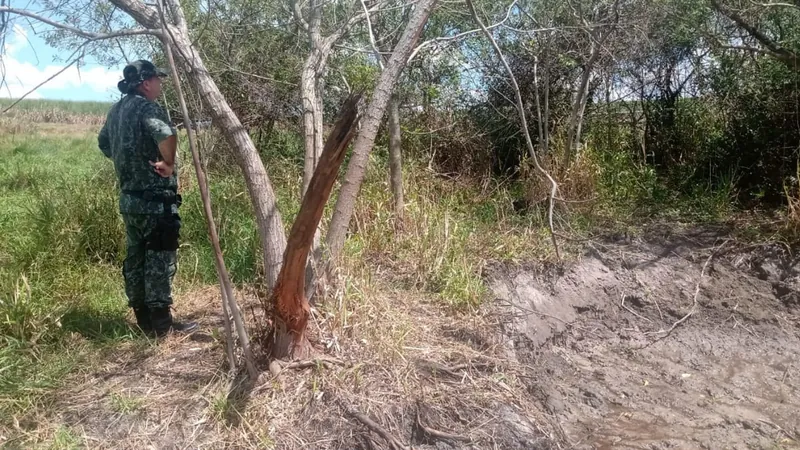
[(523, 122), (459, 35), (77, 31), (298, 16), (140, 12), (780, 53), (45, 81), (372, 35)]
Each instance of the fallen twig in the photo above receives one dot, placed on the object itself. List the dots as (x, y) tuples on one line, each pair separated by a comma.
[(394, 443), (277, 366), (694, 300), (450, 370), (440, 434), (622, 305), (325, 362)]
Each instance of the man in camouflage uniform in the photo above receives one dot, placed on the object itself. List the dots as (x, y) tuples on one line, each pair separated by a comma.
[(138, 138)]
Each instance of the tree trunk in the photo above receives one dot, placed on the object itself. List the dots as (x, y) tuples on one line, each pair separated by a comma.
[(396, 158), (291, 310), (308, 95), (345, 203), (259, 186), (576, 115)]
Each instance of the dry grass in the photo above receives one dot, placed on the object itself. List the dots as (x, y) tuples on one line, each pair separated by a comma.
[(404, 359), (792, 191)]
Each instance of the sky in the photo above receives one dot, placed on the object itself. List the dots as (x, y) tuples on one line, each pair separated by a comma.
[(28, 61)]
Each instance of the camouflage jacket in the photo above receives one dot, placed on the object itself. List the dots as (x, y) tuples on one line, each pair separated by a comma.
[(134, 127)]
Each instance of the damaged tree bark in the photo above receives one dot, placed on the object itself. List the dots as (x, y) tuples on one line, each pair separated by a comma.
[(291, 310)]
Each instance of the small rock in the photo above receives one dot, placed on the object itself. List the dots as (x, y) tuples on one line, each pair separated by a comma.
[(275, 368)]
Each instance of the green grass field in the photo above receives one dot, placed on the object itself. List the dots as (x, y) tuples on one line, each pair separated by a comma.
[(71, 107)]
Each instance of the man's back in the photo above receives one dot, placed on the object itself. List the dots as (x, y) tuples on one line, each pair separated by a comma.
[(130, 137)]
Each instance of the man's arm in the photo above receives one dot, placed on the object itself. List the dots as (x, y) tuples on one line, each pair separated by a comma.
[(103, 141), (166, 137)]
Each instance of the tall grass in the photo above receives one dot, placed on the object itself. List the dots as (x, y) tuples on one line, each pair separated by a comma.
[(64, 106)]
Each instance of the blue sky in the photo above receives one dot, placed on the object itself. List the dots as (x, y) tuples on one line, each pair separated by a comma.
[(28, 61)]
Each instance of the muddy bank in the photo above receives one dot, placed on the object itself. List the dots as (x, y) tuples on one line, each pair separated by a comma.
[(686, 342)]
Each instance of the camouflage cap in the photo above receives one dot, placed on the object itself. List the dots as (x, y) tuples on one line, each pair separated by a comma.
[(136, 72)]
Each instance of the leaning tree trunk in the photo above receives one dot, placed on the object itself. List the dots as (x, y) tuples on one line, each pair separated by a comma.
[(357, 168), (308, 95), (396, 158), (291, 312), (259, 186)]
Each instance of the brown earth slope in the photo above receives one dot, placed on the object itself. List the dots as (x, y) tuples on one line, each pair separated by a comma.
[(606, 368)]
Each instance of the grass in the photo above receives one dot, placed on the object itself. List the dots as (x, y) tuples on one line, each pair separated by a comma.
[(65, 106), (62, 245), (62, 306)]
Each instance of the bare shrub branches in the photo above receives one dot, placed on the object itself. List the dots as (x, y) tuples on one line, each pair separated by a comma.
[(520, 104)]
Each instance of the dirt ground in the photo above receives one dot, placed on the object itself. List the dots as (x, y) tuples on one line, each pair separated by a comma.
[(605, 367), (598, 353)]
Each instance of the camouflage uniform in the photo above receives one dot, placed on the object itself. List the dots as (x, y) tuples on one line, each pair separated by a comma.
[(134, 127)]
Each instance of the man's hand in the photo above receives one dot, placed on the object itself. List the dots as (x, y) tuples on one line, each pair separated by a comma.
[(162, 168)]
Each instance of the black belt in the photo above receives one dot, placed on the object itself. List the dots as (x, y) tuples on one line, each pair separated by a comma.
[(168, 198)]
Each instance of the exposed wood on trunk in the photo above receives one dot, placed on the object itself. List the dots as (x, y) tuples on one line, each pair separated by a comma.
[(291, 312), (357, 167)]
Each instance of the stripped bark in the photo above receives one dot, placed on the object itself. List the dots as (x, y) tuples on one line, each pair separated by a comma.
[(291, 310)]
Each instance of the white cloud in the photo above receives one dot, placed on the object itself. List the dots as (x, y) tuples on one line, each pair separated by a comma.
[(21, 76)]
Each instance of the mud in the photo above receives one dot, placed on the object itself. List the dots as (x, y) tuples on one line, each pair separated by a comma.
[(594, 340)]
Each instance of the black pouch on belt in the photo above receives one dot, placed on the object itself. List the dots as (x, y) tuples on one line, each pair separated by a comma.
[(166, 234)]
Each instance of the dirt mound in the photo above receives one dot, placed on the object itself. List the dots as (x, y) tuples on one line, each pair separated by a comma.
[(686, 342)]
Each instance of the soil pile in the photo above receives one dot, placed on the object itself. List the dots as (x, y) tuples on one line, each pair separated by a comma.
[(680, 342)]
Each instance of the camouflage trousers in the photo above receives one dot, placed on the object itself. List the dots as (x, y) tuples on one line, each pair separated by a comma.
[(148, 273)]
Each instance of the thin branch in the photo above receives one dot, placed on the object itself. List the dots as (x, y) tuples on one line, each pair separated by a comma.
[(372, 35), (751, 49), (779, 52), (219, 262), (298, 16), (441, 435), (783, 5), (77, 31), (394, 443), (524, 124), (460, 35), (694, 300)]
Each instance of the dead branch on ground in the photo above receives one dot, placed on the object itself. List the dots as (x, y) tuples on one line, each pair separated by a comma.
[(394, 443), (441, 435), (694, 300)]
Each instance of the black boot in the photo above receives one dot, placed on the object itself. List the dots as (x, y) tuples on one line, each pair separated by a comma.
[(143, 318), (162, 323)]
